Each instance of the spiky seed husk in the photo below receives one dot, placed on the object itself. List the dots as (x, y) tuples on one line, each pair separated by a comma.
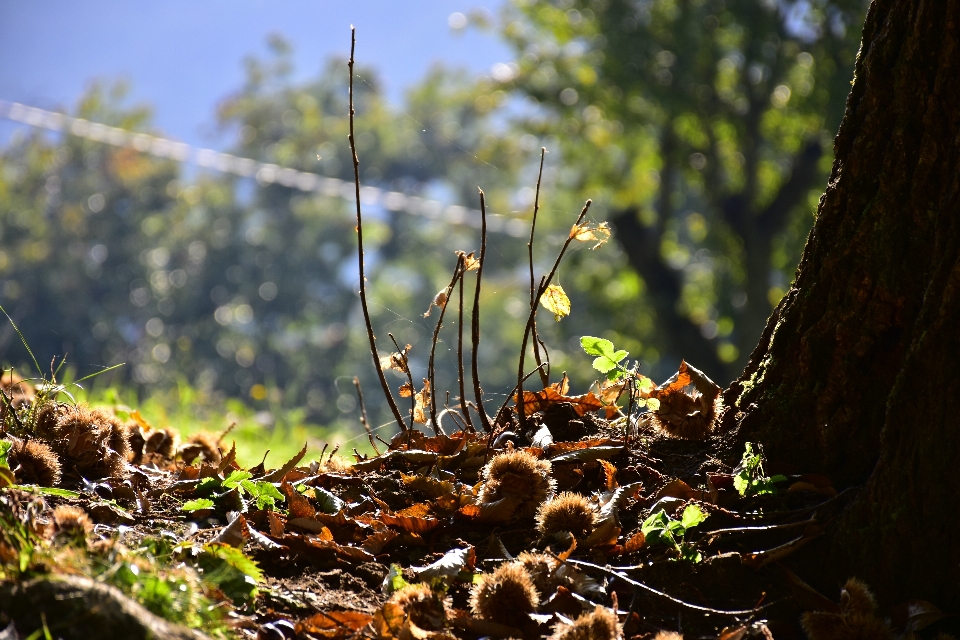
[(336, 464), (422, 606), (18, 392), (137, 442), (34, 462), (206, 446), (567, 511), (119, 439), (599, 624), (856, 620), (81, 437), (505, 596), (682, 416), (70, 519), (856, 599), (163, 442), (519, 475)]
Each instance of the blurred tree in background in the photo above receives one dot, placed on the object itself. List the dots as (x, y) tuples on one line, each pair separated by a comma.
[(697, 128)]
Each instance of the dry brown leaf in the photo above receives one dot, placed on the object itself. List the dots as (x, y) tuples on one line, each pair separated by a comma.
[(235, 533), (606, 533), (469, 262), (591, 232), (916, 615), (430, 487), (439, 300), (679, 489), (297, 504), (807, 597), (610, 474), (276, 524), (396, 360), (313, 526), (499, 511), (375, 542), (534, 401), (412, 524), (334, 624), (635, 543), (422, 401), (287, 467), (406, 390), (388, 621)]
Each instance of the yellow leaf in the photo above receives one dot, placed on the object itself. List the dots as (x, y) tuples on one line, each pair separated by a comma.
[(555, 300)]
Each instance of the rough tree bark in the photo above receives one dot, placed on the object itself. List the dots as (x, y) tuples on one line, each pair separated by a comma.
[(856, 375)]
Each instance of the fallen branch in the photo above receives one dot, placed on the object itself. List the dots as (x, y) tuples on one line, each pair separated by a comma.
[(666, 596)]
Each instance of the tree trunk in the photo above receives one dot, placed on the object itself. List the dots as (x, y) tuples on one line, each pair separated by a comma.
[(856, 375)]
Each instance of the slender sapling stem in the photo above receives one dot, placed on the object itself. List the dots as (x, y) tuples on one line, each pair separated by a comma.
[(363, 286)]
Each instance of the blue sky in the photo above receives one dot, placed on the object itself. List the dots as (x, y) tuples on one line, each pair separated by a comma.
[(183, 56)]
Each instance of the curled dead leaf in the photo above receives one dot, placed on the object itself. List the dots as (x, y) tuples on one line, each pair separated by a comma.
[(297, 504), (439, 300), (591, 232), (469, 262), (334, 624)]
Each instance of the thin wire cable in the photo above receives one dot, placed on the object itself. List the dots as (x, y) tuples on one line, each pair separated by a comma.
[(264, 173)]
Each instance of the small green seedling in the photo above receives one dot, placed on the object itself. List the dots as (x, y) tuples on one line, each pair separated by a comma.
[(749, 479), (660, 528), (263, 494), (609, 361)]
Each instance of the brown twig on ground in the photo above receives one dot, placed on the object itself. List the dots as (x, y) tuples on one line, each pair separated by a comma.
[(363, 414), (544, 283), (363, 286), (475, 334), (544, 374), (460, 376), (406, 370), (613, 572), (431, 373)]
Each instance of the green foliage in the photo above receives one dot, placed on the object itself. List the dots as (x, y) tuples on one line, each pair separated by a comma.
[(608, 359), (749, 479), (697, 128), (661, 529), (231, 571), (263, 494), (197, 504), (394, 580), (5, 446)]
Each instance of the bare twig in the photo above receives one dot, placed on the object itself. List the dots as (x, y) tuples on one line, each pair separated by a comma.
[(460, 375), (695, 607), (544, 374), (478, 392), (544, 283), (363, 414), (431, 373), (363, 286), (406, 370)]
